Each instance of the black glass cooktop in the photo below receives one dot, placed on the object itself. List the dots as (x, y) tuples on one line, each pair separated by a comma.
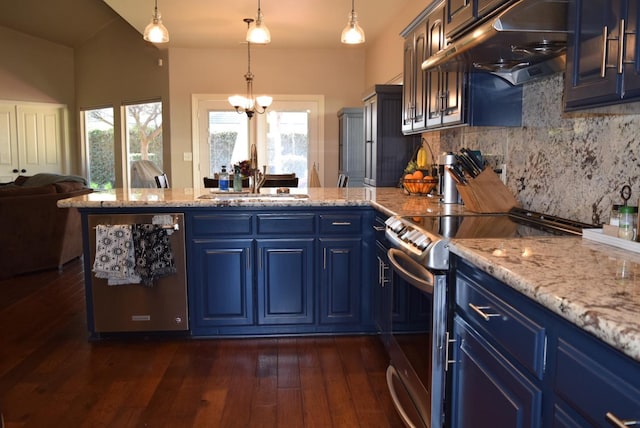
[(517, 223)]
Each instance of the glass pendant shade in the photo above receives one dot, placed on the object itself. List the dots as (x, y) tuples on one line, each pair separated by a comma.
[(352, 34), (258, 31), (264, 101), (156, 32)]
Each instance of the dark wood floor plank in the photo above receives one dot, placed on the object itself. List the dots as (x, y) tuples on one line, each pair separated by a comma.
[(51, 375), (290, 409)]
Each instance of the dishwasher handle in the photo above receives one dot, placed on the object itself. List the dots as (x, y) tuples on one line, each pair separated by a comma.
[(411, 271)]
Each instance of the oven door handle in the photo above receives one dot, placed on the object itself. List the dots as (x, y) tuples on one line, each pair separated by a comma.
[(411, 271)]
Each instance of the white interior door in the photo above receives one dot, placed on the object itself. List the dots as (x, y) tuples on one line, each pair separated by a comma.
[(41, 139), (8, 143)]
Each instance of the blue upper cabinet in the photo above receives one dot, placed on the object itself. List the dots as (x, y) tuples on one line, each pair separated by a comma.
[(603, 60), (386, 149)]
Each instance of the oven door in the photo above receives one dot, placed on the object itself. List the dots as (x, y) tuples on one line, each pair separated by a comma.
[(415, 376)]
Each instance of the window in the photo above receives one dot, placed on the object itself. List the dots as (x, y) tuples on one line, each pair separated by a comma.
[(144, 142), (103, 147), (99, 147), (227, 140), (288, 143)]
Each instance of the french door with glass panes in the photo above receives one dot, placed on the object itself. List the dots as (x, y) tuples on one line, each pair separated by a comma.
[(287, 136)]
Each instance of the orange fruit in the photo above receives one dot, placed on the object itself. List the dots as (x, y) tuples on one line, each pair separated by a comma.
[(418, 175), (408, 176)]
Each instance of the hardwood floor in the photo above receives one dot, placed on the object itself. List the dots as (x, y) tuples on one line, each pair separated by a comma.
[(52, 376)]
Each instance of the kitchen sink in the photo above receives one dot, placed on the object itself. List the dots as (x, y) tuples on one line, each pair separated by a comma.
[(220, 196)]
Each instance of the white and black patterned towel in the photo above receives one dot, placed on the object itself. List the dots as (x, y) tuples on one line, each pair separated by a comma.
[(115, 255), (154, 258)]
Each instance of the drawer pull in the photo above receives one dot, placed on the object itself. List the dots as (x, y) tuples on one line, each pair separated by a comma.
[(341, 223), (620, 423), (480, 311)]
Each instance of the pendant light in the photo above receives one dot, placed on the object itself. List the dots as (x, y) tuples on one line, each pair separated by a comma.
[(250, 105), (258, 31), (352, 34), (155, 32)]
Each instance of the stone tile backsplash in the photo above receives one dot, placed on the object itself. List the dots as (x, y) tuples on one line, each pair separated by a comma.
[(563, 164)]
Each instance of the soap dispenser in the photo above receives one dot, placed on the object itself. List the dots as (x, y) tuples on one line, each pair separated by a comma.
[(223, 180)]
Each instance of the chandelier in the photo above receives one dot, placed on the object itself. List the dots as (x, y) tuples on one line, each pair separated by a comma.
[(155, 32), (248, 104)]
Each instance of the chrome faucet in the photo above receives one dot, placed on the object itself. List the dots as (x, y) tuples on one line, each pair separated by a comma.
[(258, 177)]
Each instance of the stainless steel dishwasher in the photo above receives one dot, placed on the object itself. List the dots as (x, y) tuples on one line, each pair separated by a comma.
[(135, 307)]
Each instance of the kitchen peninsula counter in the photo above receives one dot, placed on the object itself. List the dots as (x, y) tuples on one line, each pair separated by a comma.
[(578, 279), (572, 277)]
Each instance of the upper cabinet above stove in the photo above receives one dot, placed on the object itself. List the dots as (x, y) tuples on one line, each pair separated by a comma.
[(603, 56), (437, 99), (462, 13)]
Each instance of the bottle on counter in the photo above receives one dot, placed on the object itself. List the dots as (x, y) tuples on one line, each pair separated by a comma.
[(237, 179), (223, 180), (625, 222)]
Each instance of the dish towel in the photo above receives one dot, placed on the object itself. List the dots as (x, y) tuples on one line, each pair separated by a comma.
[(153, 255), (115, 255)]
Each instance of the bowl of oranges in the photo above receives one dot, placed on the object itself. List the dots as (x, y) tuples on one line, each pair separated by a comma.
[(418, 183)]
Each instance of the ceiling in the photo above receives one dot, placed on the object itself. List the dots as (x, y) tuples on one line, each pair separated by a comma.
[(200, 23)]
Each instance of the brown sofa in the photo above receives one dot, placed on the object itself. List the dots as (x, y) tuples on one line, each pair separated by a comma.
[(36, 234)]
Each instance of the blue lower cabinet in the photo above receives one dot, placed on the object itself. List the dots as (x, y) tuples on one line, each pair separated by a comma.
[(285, 281), (279, 271), (340, 280), (223, 274), (524, 366), (489, 390)]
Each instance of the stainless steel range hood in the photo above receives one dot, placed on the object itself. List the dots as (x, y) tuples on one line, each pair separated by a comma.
[(525, 41)]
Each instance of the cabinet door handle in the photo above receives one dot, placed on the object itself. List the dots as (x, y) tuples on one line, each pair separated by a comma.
[(480, 310), (620, 423), (379, 228), (621, 41), (448, 341), (605, 45), (324, 258), (341, 223)]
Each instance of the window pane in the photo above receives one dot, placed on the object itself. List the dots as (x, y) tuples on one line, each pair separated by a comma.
[(144, 143), (228, 140), (288, 143), (99, 143)]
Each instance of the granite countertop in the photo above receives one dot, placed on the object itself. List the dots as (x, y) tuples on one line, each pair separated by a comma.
[(391, 201), (575, 278), (594, 286)]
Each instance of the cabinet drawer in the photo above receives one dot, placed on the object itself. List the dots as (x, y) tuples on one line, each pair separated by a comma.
[(592, 388), (286, 223), (340, 223), (518, 335), (221, 224)]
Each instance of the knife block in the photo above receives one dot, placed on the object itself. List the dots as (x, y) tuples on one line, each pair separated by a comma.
[(486, 194)]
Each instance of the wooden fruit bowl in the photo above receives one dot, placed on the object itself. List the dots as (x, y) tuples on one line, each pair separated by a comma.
[(421, 186)]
